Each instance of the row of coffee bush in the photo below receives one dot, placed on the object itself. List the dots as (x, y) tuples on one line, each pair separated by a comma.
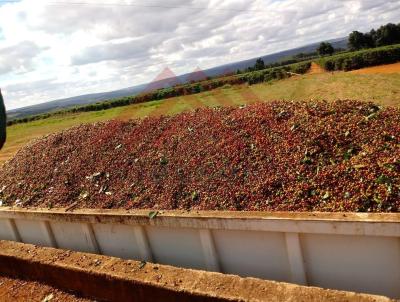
[(362, 58)]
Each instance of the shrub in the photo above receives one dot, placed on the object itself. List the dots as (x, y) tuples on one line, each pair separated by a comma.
[(301, 67)]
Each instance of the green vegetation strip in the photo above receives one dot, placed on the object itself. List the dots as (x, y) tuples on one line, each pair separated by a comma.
[(182, 90), (362, 58)]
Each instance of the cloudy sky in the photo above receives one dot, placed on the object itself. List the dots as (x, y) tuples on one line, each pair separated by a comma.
[(56, 49)]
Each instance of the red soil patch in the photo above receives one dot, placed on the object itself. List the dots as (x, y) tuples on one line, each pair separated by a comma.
[(383, 69), (289, 156), (315, 69), (21, 291)]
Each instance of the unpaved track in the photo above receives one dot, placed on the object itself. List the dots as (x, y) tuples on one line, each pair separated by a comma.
[(315, 69)]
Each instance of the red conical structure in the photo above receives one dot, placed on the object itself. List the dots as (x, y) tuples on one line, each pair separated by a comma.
[(166, 78)]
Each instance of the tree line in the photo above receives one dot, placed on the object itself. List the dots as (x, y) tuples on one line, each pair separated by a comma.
[(388, 34)]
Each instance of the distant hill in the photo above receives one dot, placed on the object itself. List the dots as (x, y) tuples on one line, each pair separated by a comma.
[(163, 81), (275, 57), (72, 102)]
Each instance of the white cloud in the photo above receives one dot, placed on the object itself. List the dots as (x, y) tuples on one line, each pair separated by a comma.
[(54, 51), (19, 58)]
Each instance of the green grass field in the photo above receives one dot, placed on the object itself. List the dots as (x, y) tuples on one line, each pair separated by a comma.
[(383, 89)]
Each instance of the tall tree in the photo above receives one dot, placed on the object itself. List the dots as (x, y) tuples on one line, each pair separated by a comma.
[(387, 34), (259, 64), (325, 48), (370, 39), (356, 40)]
